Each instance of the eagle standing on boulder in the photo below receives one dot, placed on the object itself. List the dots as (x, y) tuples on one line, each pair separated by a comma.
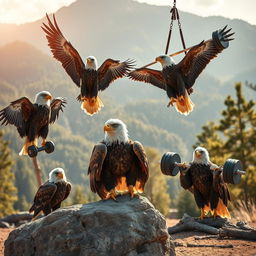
[(210, 192), (89, 78), (49, 196), (117, 164), (32, 120), (177, 79)]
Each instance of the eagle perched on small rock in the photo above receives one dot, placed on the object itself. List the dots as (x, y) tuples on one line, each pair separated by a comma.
[(89, 78), (206, 180), (177, 79), (32, 119), (49, 196), (117, 164)]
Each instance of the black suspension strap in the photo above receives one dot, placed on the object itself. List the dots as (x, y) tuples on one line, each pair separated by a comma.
[(175, 16)]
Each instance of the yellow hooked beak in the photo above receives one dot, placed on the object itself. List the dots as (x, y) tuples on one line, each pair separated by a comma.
[(89, 60), (48, 97), (60, 175), (108, 128), (198, 154), (158, 59)]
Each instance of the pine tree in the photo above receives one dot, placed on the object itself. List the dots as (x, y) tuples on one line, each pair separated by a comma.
[(234, 136), (7, 188), (156, 188), (238, 125)]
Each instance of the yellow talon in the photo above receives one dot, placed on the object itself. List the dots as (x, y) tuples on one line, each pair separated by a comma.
[(202, 214), (111, 194), (131, 191)]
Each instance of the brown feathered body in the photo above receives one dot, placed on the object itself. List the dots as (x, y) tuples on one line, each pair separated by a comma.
[(118, 166), (37, 124), (209, 189), (50, 196)]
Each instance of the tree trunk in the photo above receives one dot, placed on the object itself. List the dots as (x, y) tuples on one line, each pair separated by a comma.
[(38, 171)]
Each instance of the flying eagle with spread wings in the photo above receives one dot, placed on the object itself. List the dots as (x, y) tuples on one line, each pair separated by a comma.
[(178, 79), (117, 164), (206, 180), (89, 78), (50, 195), (32, 119)]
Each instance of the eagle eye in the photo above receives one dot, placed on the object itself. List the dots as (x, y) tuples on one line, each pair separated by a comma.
[(115, 125)]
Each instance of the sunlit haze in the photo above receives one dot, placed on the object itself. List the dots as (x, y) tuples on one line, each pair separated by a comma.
[(20, 11)]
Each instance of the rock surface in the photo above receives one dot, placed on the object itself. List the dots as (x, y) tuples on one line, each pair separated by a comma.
[(104, 228)]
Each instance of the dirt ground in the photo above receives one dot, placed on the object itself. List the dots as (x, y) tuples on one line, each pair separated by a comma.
[(4, 232), (240, 247)]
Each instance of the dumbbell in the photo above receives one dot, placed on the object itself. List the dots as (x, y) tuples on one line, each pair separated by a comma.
[(48, 148), (232, 169)]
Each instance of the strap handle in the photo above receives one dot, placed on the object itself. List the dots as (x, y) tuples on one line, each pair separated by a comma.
[(175, 16)]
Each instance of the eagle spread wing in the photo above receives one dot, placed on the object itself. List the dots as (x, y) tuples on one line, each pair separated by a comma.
[(56, 105), (95, 166), (43, 196), (63, 51), (110, 70), (141, 154), (17, 113), (200, 55), (148, 75)]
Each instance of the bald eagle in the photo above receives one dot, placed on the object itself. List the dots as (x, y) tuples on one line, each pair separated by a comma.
[(117, 164), (49, 196), (177, 79), (32, 119), (210, 192), (89, 78)]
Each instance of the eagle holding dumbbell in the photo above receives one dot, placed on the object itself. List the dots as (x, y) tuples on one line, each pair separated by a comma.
[(209, 189)]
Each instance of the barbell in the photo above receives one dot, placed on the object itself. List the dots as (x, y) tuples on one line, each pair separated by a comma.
[(232, 168)]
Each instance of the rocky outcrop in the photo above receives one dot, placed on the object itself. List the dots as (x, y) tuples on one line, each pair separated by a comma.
[(128, 227)]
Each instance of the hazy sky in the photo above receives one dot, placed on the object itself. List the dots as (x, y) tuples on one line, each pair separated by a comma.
[(21, 11)]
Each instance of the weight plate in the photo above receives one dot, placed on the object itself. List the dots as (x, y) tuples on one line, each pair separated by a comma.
[(168, 163), (32, 151), (230, 168), (236, 176), (49, 147)]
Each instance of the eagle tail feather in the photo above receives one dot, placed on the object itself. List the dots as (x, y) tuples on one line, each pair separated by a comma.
[(91, 105), (222, 210), (184, 106)]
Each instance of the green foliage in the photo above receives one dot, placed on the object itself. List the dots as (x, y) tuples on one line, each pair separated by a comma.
[(186, 204), (234, 136), (156, 188), (7, 188)]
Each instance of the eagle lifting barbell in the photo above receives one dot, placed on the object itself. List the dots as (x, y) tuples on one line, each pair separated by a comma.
[(48, 148), (232, 169)]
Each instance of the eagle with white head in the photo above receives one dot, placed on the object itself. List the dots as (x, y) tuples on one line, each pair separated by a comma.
[(50, 195), (210, 192), (178, 79), (89, 78), (117, 164), (32, 119)]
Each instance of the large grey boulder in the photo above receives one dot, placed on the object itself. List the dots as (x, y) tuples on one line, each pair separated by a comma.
[(128, 227)]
